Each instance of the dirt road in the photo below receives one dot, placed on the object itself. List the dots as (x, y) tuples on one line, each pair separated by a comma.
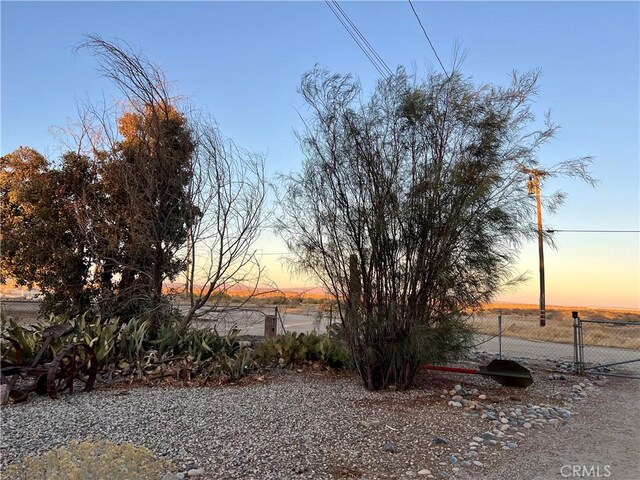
[(602, 442)]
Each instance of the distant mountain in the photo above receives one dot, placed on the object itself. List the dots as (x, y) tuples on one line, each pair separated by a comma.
[(241, 290)]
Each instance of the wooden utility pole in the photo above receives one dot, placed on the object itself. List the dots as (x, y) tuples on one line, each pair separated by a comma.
[(533, 186)]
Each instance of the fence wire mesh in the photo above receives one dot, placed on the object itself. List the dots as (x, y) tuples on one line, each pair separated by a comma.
[(21, 310), (591, 345), (247, 319), (518, 336), (620, 359), (600, 346)]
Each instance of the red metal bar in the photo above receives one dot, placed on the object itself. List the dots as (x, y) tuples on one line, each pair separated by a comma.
[(449, 369)]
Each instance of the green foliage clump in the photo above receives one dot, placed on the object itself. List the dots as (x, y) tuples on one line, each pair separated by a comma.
[(28, 338), (132, 340), (100, 336), (294, 348), (266, 354), (236, 365), (196, 343), (129, 349), (444, 342), (179, 351)]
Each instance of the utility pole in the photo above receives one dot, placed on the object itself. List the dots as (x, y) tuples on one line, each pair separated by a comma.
[(533, 186)]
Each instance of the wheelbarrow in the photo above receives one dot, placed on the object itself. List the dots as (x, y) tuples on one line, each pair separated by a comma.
[(505, 372), (52, 372)]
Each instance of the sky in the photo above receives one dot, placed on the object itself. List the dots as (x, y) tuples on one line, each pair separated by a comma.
[(242, 62)]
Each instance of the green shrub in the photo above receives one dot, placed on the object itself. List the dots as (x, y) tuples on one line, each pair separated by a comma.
[(197, 344), (333, 352), (266, 353), (127, 349), (448, 341), (132, 340), (29, 338), (235, 366), (291, 348), (295, 347), (100, 336)]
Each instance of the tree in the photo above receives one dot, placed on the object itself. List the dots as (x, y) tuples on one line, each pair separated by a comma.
[(41, 243), (228, 192), (410, 206), (145, 186), (23, 182), (180, 194), (135, 220)]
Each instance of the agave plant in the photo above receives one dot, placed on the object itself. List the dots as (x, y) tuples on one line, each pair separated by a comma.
[(235, 366), (27, 338), (132, 338)]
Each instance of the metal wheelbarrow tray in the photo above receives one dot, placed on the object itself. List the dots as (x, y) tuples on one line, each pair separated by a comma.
[(505, 372)]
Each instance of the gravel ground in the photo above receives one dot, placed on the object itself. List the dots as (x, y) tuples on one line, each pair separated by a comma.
[(318, 425), (603, 441)]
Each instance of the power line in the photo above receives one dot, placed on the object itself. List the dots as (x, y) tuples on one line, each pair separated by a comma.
[(593, 231), (427, 36), (345, 23), (364, 39), (371, 54), (379, 68)]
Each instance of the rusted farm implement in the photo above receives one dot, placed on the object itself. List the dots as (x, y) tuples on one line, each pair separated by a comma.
[(72, 365)]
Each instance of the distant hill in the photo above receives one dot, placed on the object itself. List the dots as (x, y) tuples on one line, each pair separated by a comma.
[(243, 291), (10, 290), (561, 311)]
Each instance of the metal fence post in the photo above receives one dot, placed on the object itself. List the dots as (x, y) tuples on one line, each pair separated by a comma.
[(330, 315), (500, 335), (279, 318), (581, 346), (578, 344)]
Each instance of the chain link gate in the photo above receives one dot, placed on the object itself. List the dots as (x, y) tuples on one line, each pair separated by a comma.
[(623, 361)]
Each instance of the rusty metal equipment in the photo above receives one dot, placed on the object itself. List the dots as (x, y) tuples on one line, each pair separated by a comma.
[(52, 372), (505, 372)]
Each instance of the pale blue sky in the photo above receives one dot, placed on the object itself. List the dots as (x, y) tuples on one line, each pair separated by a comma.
[(242, 61)]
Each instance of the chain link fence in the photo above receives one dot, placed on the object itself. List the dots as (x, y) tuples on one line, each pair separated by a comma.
[(519, 336), (247, 319), (593, 345), (266, 321), (21, 310), (591, 357), (600, 346)]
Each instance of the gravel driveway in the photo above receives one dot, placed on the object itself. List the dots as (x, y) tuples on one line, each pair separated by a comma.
[(603, 441), (318, 425)]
